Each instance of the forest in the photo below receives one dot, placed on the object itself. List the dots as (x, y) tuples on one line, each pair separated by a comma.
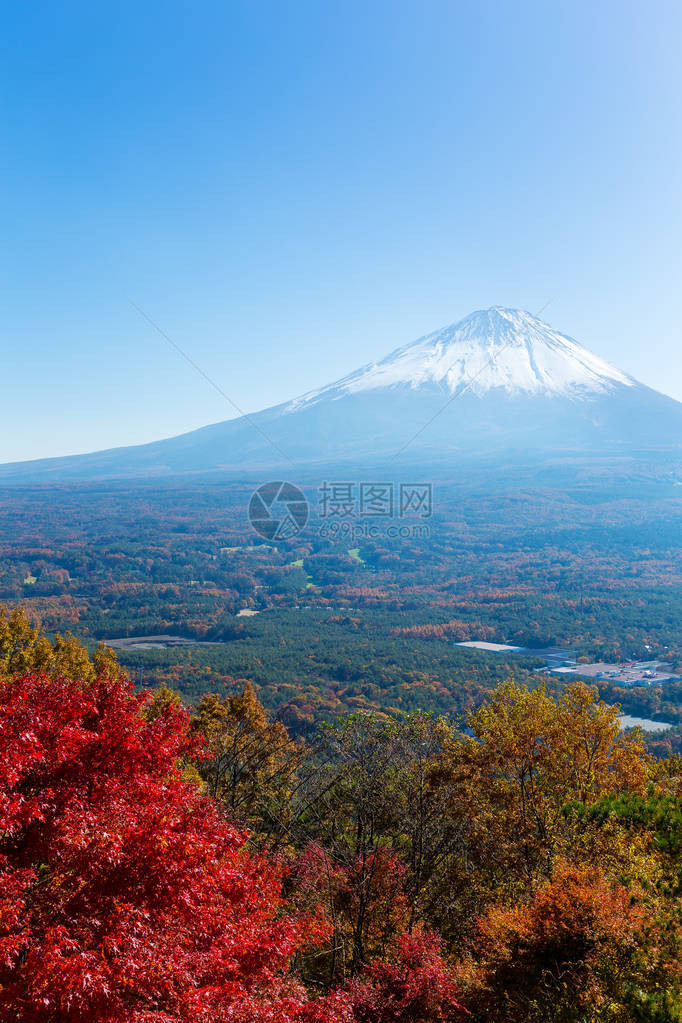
[(565, 559), (162, 862)]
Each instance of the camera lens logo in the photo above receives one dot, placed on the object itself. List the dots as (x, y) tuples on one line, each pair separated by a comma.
[(278, 511)]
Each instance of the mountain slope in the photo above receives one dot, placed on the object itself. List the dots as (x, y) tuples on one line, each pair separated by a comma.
[(495, 348), (499, 383)]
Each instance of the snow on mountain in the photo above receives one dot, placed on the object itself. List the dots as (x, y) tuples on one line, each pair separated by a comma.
[(500, 386), (489, 349)]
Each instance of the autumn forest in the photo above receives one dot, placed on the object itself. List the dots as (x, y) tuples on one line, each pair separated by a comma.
[(253, 781), (162, 862)]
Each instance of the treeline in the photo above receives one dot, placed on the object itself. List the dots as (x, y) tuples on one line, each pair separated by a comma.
[(161, 863)]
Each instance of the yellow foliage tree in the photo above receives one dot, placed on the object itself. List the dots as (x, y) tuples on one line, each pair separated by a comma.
[(252, 760), (25, 650)]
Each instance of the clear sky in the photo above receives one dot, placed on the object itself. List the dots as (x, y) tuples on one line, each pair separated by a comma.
[(292, 189)]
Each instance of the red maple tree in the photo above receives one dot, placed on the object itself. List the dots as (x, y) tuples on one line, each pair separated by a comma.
[(413, 984), (124, 895)]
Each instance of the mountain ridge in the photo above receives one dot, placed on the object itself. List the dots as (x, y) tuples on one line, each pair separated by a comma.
[(495, 347), (498, 384)]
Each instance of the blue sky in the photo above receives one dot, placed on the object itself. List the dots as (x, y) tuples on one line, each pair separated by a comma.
[(293, 189)]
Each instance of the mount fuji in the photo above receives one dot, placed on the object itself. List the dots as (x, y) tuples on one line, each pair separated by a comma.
[(504, 350), (500, 383)]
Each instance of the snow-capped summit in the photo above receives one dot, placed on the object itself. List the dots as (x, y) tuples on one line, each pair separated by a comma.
[(499, 386), (489, 349)]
